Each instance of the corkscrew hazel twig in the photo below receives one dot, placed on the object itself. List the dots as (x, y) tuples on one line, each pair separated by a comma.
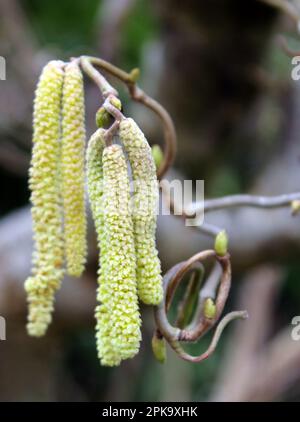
[(137, 94), (174, 335), (207, 312)]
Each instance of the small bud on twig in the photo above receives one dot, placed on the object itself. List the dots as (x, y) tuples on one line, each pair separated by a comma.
[(295, 207), (158, 155), (159, 348), (221, 243), (209, 309)]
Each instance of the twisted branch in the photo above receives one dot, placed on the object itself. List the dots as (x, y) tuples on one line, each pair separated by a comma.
[(201, 323), (138, 95), (218, 284), (248, 201)]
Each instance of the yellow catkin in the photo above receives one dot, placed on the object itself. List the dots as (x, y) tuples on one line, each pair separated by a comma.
[(46, 201), (96, 144), (118, 318), (118, 292), (73, 144), (145, 203)]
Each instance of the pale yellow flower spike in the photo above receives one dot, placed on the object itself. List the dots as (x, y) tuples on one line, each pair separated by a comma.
[(118, 291), (96, 144), (145, 202), (73, 144), (46, 201), (118, 318)]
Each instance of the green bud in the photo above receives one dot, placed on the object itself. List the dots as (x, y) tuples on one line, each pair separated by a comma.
[(221, 243), (295, 207), (102, 117), (209, 309), (158, 155), (135, 74), (159, 348), (116, 102)]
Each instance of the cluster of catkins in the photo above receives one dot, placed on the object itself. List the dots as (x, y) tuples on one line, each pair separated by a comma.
[(123, 194)]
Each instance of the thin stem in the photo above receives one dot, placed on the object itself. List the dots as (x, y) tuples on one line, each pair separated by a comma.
[(248, 201), (110, 68), (168, 127), (140, 96), (210, 287), (215, 340), (184, 268), (111, 109), (209, 290), (187, 304), (171, 281), (104, 86), (204, 324), (111, 132), (205, 228)]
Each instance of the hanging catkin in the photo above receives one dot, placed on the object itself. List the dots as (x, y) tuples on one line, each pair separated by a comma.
[(95, 148), (118, 292), (145, 201), (118, 319), (73, 143), (46, 201)]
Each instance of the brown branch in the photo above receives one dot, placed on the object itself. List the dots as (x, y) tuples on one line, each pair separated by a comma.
[(216, 337), (255, 201), (171, 281), (137, 94), (104, 86)]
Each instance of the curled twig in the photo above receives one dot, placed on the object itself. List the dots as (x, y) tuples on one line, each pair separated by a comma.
[(203, 323), (111, 109), (216, 337), (104, 86)]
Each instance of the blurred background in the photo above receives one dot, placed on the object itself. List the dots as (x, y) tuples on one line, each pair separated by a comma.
[(218, 67)]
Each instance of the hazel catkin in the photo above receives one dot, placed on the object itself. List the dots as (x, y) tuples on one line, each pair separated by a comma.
[(118, 320), (145, 201), (94, 165), (119, 291), (44, 183), (73, 144)]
